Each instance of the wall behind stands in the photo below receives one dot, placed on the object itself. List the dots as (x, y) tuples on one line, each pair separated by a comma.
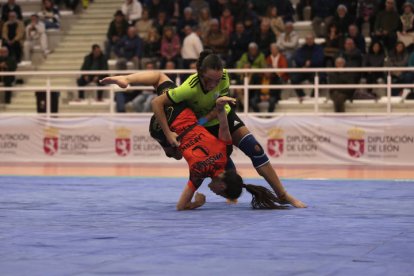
[(350, 140)]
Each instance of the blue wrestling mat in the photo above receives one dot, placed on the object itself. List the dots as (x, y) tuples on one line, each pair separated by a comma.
[(129, 226)]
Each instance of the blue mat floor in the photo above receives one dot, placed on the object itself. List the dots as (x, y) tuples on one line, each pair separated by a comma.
[(129, 226)]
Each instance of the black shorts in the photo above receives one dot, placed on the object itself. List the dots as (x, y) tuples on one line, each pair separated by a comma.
[(234, 124)]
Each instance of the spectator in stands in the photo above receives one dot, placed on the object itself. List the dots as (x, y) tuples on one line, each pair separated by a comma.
[(50, 15), (116, 30), (406, 35), (285, 10), (170, 46), (7, 64), (198, 5), (374, 58), (323, 11), (132, 9), (366, 12), (265, 36), (152, 48), (264, 94), (253, 56), (94, 61), (13, 35), (351, 54), (144, 24), (237, 8), (177, 7), (227, 21), (342, 19), (35, 35), (359, 40), (398, 57), (217, 40), (11, 6), (154, 7), (310, 55), (186, 20), (142, 102), (276, 59), (277, 24), (161, 21), (288, 42), (170, 65), (387, 23), (238, 44), (204, 21), (192, 46), (303, 10), (129, 48), (333, 44), (408, 77), (339, 96)]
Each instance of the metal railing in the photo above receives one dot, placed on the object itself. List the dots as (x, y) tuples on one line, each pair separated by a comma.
[(245, 86)]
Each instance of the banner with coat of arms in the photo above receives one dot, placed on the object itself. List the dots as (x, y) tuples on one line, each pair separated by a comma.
[(376, 140)]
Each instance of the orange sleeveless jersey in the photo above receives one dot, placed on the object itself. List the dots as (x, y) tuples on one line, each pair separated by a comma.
[(204, 153)]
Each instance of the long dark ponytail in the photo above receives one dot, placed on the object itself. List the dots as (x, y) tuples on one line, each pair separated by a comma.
[(208, 60), (262, 198)]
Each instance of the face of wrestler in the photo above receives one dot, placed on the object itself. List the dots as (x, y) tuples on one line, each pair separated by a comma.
[(211, 78), (217, 185)]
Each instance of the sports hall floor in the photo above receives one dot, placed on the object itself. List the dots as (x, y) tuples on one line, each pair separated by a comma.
[(78, 219)]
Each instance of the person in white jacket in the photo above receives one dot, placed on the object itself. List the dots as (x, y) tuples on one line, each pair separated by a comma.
[(288, 42), (132, 9), (35, 33), (192, 46)]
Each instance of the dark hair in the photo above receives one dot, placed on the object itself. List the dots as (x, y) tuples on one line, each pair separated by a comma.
[(208, 60), (262, 198)]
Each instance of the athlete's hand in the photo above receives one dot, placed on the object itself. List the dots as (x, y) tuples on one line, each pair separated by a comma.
[(199, 198), (288, 199), (172, 139), (121, 81), (222, 101)]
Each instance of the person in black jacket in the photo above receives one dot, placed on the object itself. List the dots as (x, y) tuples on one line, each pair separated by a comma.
[(94, 61), (7, 64), (116, 30)]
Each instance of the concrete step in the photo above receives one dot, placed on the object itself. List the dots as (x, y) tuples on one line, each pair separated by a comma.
[(96, 32)]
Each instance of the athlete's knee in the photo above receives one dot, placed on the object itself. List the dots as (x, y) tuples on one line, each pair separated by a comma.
[(249, 145)]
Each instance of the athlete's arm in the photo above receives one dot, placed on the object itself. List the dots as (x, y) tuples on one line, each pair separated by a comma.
[(157, 105), (154, 78), (185, 203), (224, 131)]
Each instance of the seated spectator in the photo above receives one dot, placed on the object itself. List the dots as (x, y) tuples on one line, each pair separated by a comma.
[(288, 42), (374, 58), (192, 46), (277, 24), (11, 6), (50, 15), (339, 96), (310, 55), (351, 54), (227, 21), (323, 12), (406, 35), (342, 19), (204, 21), (132, 9), (237, 8), (198, 5), (217, 40), (253, 56), (285, 10), (398, 57), (359, 40), (276, 59), (94, 61), (161, 21), (408, 77), (333, 44), (387, 23), (186, 20), (265, 36), (7, 64), (365, 20), (142, 102), (144, 24), (35, 35), (170, 65), (154, 7), (152, 48), (116, 30), (239, 41), (13, 35), (303, 10), (170, 46), (129, 49), (271, 96)]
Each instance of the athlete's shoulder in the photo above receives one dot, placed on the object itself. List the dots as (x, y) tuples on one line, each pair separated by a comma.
[(192, 81)]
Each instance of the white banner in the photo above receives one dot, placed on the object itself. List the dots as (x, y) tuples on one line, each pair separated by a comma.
[(373, 140)]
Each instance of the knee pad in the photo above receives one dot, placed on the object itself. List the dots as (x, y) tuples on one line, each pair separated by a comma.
[(249, 145)]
